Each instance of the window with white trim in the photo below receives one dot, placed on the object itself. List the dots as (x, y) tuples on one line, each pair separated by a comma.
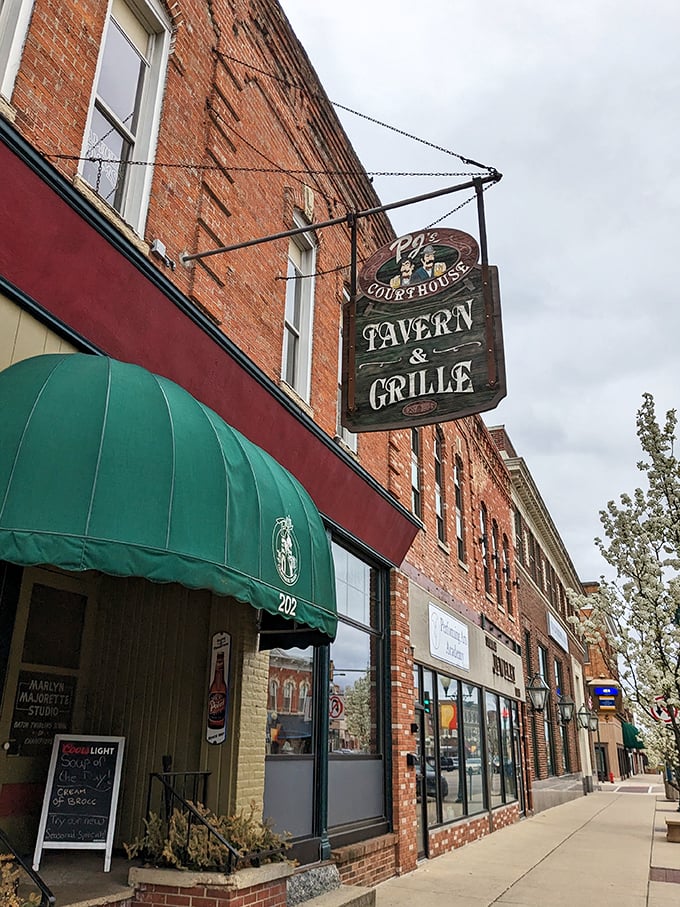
[(15, 17), (297, 331), (120, 139)]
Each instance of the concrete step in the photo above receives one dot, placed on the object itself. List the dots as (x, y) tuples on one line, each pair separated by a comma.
[(345, 896)]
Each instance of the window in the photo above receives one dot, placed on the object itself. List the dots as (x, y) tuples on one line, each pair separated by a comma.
[(439, 484), (484, 542), (288, 690), (273, 699), (519, 538), (345, 435), (506, 575), (15, 16), (559, 681), (460, 524), (297, 331), (496, 558), (547, 713), (416, 503), (125, 112)]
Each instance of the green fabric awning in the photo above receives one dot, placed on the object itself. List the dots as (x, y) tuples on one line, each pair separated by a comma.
[(108, 467), (632, 739)]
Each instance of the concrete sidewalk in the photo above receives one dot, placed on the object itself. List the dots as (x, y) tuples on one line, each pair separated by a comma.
[(608, 848)]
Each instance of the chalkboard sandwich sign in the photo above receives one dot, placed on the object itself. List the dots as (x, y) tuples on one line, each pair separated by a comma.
[(81, 796)]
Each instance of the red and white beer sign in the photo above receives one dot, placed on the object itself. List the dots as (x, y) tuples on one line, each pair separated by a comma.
[(661, 711), (218, 691)]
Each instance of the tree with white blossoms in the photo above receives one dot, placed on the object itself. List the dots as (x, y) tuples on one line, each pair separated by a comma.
[(635, 619), (358, 710)]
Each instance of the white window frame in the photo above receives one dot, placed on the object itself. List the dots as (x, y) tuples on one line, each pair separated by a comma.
[(15, 18), (150, 13), (302, 255)]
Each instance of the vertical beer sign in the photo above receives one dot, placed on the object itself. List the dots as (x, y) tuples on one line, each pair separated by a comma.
[(218, 693), (423, 339)]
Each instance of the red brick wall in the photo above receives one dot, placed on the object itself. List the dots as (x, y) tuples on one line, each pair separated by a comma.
[(367, 863), (272, 894)]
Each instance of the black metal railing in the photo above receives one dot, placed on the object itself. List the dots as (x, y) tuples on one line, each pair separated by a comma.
[(172, 799), (47, 899)]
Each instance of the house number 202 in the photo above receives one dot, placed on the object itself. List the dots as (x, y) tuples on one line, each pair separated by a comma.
[(287, 604)]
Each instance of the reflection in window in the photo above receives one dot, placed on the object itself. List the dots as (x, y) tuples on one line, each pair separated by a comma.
[(450, 743), (508, 766), (289, 720), (356, 656), (493, 749), (472, 729), (353, 719)]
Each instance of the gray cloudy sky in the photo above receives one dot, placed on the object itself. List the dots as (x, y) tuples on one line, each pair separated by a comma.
[(577, 105)]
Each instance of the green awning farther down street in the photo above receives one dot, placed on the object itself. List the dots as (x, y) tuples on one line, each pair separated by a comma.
[(106, 466), (632, 739)]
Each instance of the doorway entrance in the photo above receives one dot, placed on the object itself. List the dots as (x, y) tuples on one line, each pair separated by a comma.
[(48, 616)]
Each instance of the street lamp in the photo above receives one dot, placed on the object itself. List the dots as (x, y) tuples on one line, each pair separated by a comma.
[(537, 691), (566, 707), (583, 717)]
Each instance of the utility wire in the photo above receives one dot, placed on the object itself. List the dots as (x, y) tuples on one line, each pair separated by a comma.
[(304, 88)]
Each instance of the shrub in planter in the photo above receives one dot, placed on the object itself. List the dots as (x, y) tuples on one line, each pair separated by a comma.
[(10, 874), (178, 844)]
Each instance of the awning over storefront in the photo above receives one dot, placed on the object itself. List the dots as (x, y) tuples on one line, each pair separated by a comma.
[(632, 739), (106, 466)]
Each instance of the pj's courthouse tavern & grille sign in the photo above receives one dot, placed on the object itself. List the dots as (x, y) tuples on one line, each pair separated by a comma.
[(425, 342)]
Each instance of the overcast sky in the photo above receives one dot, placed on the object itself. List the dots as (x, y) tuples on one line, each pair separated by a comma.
[(578, 106)]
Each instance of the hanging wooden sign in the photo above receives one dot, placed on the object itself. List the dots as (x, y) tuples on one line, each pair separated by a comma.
[(424, 339)]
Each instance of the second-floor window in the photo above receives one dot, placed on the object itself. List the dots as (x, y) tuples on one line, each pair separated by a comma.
[(439, 484), (496, 558), (484, 542), (123, 121), (460, 524), (15, 16), (297, 332), (416, 501)]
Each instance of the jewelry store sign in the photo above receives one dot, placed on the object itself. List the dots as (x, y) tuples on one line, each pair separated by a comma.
[(449, 639), (424, 339)]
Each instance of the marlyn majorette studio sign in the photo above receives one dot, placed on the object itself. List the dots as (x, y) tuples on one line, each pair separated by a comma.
[(425, 341)]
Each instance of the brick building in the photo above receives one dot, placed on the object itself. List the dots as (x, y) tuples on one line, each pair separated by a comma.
[(134, 133), (558, 750)]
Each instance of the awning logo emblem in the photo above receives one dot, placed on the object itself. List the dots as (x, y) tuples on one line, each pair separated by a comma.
[(286, 551)]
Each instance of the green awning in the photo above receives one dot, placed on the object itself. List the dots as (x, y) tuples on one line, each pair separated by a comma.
[(105, 466), (632, 739)]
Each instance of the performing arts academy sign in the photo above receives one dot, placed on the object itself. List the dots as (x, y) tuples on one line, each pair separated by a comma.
[(423, 338)]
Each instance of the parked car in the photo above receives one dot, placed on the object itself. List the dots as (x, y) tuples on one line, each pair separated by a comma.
[(448, 763), (432, 780)]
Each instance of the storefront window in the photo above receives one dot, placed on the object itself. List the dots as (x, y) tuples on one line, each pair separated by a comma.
[(289, 716), (352, 711), (472, 738), (461, 748), (493, 749), (508, 767), (450, 742)]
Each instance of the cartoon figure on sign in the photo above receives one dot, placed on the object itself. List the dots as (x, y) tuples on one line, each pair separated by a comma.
[(429, 267), (286, 550), (405, 276)]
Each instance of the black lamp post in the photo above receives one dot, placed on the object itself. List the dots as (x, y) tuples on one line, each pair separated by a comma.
[(538, 691)]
